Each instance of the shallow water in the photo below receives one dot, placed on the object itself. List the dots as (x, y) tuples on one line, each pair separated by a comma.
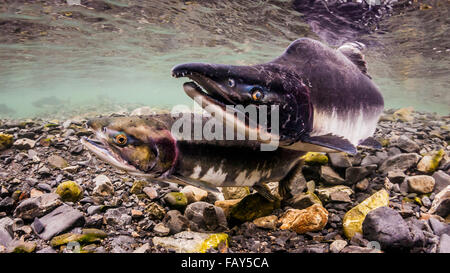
[(61, 60)]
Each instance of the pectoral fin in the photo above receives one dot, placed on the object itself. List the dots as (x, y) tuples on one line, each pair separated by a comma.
[(325, 143)]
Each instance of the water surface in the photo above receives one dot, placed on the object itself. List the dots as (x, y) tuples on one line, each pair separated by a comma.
[(60, 60)]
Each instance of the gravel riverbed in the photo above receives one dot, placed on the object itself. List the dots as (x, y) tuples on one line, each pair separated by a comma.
[(56, 197)]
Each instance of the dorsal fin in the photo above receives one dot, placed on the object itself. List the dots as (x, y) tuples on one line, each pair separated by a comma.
[(353, 52)]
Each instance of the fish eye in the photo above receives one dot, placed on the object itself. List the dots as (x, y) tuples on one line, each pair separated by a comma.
[(120, 139), (231, 82), (257, 94)]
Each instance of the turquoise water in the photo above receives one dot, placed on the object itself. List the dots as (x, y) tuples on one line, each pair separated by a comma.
[(60, 60)]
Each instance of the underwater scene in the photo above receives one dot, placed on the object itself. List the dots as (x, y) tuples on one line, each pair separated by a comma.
[(343, 107)]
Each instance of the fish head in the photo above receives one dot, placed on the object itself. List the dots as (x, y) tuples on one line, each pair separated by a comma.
[(141, 146), (269, 85)]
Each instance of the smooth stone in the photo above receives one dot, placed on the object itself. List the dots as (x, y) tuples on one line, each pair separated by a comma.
[(176, 200), (370, 160), (59, 220), (206, 216), (175, 221), (57, 162), (142, 249), (421, 183), (400, 162), (429, 163), (387, 227), (194, 194)]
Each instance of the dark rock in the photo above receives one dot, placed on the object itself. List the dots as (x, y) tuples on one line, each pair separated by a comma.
[(30, 208), (355, 174), (407, 145), (206, 216), (370, 160), (7, 204), (123, 244), (60, 220), (339, 160), (438, 227), (330, 176), (396, 176), (387, 227), (175, 221), (38, 226), (441, 179), (400, 162), (417, 235)]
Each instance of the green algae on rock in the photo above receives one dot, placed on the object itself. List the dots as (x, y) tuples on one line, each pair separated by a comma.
[(235, 192), (89, 235), (312, 158), (69, 191), (176, 200), (353, 219), (429, 163), (138, 186), (6, 141)]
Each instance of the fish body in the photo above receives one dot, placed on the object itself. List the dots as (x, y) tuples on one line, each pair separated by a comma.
[(326, 98), (147, 146)]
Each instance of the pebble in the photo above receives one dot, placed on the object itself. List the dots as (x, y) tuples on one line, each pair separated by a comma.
[(421, 183), (337, 246)]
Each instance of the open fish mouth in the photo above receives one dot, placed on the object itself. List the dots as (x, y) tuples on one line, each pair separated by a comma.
[(212, 98), (204, 87), (103, 150)]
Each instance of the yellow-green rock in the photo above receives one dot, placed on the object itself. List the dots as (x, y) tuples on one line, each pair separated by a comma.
[(430, 163), (312, 158), (69, 191), (213, 241), (155, 211), (253, 206), (176, 200), (138, 186), (192, 242), (6, 141), (404, 114), (23, 247), (353, 219), (235, 192), (89, 235)]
